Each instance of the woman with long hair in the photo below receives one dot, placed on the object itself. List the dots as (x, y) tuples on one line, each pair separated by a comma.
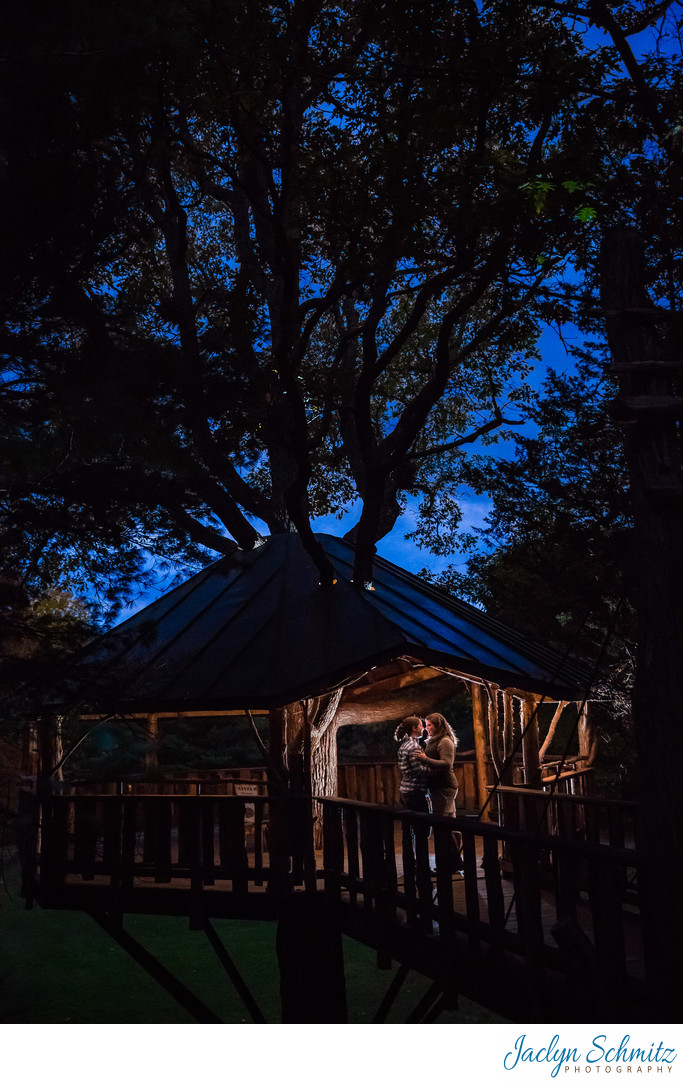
[(413, 787), (437, 758)]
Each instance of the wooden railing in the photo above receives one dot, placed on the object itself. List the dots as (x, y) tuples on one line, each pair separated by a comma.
[(555, 920), (575, 949), (223, 782), (370, 782), (570, 815), (118, 843)]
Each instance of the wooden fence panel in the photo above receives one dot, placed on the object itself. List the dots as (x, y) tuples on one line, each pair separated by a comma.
[(85, 837)]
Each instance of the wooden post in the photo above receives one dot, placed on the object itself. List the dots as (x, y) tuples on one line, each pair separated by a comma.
[(309, 947), (309, 950), (27, 828), (152, 751), (50, 750), (480, 711), (587, 742), (30, 754), (650, 362), (324, 779), (278, 787), (559, 709), (508, 735), (532, 766)]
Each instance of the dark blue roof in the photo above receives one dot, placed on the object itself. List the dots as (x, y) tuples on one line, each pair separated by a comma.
[(256, 630)]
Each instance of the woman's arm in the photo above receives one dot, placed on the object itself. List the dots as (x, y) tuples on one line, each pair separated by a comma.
[(446, 751)]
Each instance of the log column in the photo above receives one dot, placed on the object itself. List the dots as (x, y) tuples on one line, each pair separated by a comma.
[(530, 743), (311, 960), (278, 789), (587, 741), (152, 752), (309, 947), (480, 720), (30, 754), (302, 763), (50, 749)]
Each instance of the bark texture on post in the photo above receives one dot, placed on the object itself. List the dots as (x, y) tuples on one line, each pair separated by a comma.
[(650, 405), (480, 721), (309, 948), (530, 742), (587, 740), (325, 764), (298, 732), (324, 771)]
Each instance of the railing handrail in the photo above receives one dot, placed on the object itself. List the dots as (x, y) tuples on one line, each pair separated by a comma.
[(487, 829), (131, 797), (565, 797), (587, 771)]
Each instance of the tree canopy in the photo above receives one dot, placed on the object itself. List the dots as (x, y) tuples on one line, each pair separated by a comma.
[(556, 555), (262, 260)]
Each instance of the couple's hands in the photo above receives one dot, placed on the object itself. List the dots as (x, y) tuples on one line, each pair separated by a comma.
[(420, 755)]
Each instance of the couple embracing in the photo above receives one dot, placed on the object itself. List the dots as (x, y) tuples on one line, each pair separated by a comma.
[(429, 770)]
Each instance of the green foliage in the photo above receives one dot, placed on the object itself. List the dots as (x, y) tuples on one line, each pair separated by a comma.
[(119, 749), (367, 742), (262, 262), (36, 631), (553, 558), (557, 534)]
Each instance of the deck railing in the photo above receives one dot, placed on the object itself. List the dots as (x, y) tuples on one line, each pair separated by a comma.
[(124, 842), (571, 815), (575, 946), (557, 918), (371, 782)]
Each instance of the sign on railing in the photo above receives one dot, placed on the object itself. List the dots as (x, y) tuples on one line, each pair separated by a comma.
[(247, 789)]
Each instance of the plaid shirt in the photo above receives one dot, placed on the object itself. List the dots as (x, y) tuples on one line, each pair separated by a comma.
[(413, 773)]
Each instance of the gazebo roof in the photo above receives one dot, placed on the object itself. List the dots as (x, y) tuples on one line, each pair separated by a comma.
[(256, 630)]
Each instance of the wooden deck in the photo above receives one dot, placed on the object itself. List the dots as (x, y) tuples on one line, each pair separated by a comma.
[(542, 927)]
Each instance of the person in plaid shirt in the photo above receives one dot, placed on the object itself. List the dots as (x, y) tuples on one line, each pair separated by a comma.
[(414, 776)]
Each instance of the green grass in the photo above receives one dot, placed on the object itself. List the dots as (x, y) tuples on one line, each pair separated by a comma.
[(61, 967)]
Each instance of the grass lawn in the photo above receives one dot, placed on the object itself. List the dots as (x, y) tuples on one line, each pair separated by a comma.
[(61, 967)]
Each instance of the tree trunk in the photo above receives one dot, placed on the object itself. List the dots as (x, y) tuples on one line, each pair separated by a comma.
[(653, 451), (302, 763), (530, 751), (309, 947), (324, 767), (588, 745), (324, 774), (278, 789), (480, 720), (311, 960)]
